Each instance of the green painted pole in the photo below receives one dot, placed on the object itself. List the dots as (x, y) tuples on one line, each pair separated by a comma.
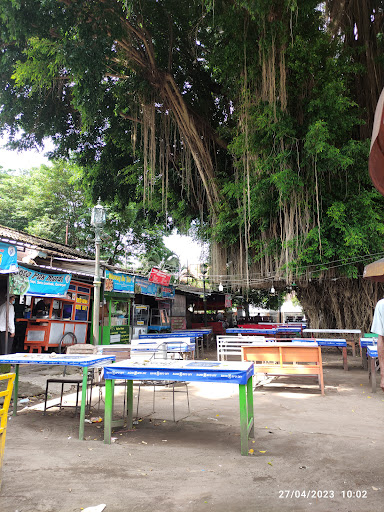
[(251, 420), (15, 390), (108, 411), (83, 402), (243, 419)]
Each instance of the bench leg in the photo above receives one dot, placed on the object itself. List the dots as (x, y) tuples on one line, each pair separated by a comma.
[(321, 380), (345, 362)]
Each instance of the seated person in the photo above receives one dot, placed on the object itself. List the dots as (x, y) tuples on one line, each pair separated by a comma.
[(41, 308)]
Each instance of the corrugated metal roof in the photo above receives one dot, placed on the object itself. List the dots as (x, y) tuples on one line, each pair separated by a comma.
[(9, 235)]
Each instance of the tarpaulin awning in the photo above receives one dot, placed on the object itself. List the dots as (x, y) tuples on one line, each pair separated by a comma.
[(34, 282), (375, 271)]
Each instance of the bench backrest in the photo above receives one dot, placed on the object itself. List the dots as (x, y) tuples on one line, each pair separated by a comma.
[(289, 353)]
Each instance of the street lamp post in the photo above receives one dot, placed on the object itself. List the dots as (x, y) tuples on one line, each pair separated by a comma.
[(98, 220), (204, 269)]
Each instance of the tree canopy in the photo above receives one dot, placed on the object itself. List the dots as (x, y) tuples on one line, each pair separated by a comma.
[(253, 118), (51, 202)]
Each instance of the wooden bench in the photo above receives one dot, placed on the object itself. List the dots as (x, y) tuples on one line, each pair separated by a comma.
[(286, 359)]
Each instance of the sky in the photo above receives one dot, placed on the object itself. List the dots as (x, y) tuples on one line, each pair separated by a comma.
[(21, 160), (188, 251)]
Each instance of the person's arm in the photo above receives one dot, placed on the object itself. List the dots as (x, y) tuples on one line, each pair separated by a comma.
[(380, 353)]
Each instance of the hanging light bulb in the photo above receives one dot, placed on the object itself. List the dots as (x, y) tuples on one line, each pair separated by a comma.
[(221, 288), (273, 289)]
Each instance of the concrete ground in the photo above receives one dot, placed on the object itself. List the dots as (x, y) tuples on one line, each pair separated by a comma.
[(310, 452)]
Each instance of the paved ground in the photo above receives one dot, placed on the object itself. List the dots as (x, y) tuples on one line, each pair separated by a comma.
[(310, 452)]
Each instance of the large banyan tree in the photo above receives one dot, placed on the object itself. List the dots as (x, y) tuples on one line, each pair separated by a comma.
[(251, 118)]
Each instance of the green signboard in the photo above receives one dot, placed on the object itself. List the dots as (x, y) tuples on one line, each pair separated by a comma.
[(119, 334)]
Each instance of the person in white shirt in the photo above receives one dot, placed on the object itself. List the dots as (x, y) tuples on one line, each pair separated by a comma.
[(11, 324), (378, 328)]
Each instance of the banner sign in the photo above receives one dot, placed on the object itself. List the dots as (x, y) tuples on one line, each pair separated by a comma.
[(228, 301), (118, 282), (159, 277), (168, 292), (143, 286), (34, 282), (8, 258)]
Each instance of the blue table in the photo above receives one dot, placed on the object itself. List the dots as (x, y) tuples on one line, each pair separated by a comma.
[(197, 335), (372, 358), (163, 346), (82, 361), (261, 332), (330, 342), (182, 371)]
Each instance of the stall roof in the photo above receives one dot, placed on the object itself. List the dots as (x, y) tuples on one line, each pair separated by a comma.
[(192, 289), (26, 241)]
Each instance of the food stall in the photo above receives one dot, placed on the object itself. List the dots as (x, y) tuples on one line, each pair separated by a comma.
[(56, 308), (116, 312), (158, 300)]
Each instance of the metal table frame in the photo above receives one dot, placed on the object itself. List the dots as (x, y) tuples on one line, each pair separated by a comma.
[(183, 371), (83, 361)]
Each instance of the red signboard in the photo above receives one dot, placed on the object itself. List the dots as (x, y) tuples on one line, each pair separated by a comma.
[(159, 277)]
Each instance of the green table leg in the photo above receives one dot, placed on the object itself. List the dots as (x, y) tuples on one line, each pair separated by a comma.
[(108, 411), (130, 403), (243, 419), (15, 390), (83, 402), (251, 424)]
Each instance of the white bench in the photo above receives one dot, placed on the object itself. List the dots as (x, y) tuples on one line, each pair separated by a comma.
[(231, 345)]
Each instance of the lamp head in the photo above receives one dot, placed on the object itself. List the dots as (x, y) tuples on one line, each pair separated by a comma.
[(99, 216), (221, 288)]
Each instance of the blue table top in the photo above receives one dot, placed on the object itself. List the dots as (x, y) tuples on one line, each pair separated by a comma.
[(183, 334), (204, 371), (195, 332), (158, 345), (239, 330), (364, 342), (58, 359), (322, 342), (288, 329), (372, 350)]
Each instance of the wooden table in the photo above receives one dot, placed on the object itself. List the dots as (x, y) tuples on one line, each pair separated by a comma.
[(82, 361), (183, 371)]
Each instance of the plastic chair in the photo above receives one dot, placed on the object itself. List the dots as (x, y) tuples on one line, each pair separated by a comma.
[(9, 379), (77, 381)]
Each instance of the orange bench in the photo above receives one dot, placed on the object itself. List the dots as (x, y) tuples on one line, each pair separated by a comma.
[(286, 359)]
